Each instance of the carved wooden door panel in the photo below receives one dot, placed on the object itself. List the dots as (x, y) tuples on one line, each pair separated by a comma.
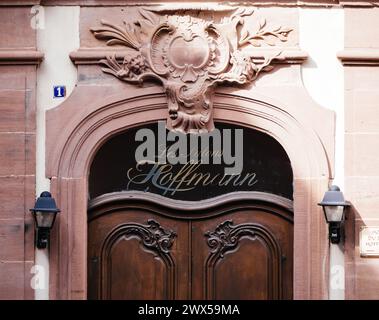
[(241, 253), (246, 254), (133, 254)]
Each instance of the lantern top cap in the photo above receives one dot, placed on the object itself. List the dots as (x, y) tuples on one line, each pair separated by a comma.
[(334, 197), (45, 194), (45, 203)]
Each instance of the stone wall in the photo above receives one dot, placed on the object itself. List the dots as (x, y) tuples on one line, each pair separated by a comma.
[(18, 60), (361, 60)]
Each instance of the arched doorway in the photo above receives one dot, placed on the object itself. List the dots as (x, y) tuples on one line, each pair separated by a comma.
[(73, 139), (211, 239)]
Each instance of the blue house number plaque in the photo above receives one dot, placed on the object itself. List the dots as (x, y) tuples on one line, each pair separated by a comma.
[(59, 91)]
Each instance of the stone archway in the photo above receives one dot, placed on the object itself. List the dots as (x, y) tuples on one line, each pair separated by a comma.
[(75, 136)]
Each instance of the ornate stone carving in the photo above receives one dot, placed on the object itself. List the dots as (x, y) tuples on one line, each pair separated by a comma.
[(189, 55)]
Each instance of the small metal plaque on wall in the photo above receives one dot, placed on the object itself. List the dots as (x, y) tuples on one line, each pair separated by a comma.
[(59, 91), (369, 241)]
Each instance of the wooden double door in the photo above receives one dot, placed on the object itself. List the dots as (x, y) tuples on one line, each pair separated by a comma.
[(236, 250)]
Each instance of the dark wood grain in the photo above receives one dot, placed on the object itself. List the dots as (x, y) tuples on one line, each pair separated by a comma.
[(243, 252)]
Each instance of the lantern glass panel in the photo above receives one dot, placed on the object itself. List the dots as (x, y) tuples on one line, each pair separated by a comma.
[(334, 213), (44, 219)]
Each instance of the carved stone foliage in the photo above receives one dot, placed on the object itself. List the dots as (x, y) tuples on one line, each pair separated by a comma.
[(189, 55)]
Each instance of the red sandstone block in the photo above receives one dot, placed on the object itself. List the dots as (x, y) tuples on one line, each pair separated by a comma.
[(12, 110), (361, 154), (367, 280), (12, 78), (12, 154), (28, 290), (12, 275), (29, 249), (361, 113), (11, 240), (16, 31), (30, 154), (355, 19), (12, 203), (363, 192)]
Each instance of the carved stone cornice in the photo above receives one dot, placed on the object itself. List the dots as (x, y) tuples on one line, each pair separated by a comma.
[(366, 56), (14, 3), (93, 55), (357, 3), (190, 54), (20, 56), (286, 3)]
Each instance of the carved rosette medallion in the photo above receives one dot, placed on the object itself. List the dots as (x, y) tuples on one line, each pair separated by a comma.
[(189, 55)]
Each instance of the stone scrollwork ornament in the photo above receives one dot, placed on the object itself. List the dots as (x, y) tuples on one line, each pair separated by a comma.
[(189, 56)]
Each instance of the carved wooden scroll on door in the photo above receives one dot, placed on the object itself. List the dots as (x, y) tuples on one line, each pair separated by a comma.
[(189, 54)]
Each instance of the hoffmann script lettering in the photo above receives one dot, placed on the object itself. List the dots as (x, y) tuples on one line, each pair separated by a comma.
[(156, 166)]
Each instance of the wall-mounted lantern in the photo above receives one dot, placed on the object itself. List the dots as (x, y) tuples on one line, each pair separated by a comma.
[(334, 206), (44, 213)]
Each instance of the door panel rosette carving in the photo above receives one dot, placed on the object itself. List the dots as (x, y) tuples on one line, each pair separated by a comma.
[(152, 237), (226, 239), (189, 56)]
